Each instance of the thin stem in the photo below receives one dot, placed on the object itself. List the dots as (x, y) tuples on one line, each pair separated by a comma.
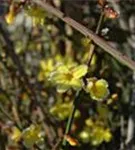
[(99, 22), (56, 146), (71, 117), (5, 113), (75, 104), (15, 112), (92, 46)]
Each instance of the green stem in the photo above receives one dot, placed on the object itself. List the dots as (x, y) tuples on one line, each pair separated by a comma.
[(71, 117), (77, 98)]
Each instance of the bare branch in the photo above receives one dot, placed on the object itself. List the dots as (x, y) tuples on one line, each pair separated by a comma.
[(88, 33)]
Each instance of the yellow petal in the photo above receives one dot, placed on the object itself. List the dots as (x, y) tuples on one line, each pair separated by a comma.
[(57, 78), (11, 15), (102, 83), (62, 88), (85, 136), (76, 84), (79, 71), (62, 68), (16, 134), (10, 18), (98, 136), (31, 135), (43, 64), (89, 122), (107, 135)]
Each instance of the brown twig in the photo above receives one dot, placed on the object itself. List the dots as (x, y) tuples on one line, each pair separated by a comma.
[(88, 33), (16, 118), (56, 146)]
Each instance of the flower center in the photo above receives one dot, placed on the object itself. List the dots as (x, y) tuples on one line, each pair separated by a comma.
[(69, 76)]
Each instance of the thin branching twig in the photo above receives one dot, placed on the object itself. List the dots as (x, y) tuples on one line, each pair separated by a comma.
[(88, 33), (92, 46), (78, 95)]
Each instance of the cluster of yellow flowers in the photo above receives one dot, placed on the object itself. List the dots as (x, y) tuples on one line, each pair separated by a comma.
[(63, 76), (95, 132), (66, 77)]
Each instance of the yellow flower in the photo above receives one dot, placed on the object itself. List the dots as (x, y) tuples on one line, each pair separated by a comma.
[(99, 134), (31, 135), (11, 15), (16, 134), (107, 135), (66, 77), (85, 135), (98, 89), (89, 122), (46, 66), (62, 110)]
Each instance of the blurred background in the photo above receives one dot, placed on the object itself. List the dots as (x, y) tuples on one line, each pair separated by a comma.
[(32, 42)]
